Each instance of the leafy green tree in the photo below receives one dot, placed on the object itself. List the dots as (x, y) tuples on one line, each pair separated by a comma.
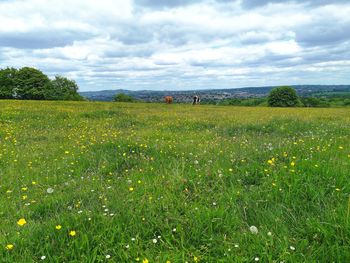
[(122, 97), (7, 83), (283, 97), (63, 89), (31, 84)]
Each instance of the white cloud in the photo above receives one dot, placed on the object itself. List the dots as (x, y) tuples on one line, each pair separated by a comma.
[(178, 44)]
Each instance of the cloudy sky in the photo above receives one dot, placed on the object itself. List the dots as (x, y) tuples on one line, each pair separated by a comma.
[(179, 44)]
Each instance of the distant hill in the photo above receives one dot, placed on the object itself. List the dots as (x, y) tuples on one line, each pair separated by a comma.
[(215, 94)]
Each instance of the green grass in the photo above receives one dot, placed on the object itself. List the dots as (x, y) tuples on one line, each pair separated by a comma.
[(194, 179)]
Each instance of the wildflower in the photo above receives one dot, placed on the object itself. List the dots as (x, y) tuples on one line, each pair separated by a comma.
[(131, 189), (43, 257), (145, 260), (49, 190), (108, 256), (58, 227), (292, 164), (292, 248), (269, 233), (256, 259), (195, 259), (66, 152), (168, 261), (254, 230), (21, 222), (154, 241), (9, 246), (337, 189), (72, 233)]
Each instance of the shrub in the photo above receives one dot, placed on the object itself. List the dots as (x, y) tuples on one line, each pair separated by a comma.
[(283, 97), (122, 97)]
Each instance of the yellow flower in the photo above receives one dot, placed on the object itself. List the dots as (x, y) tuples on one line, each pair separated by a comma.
[(195, 259), (72, 233), (131, 189), (292, 164), (21, 222), (9, 246), (66, 152), (145, 260), (168, 261), (270, 162), (58, 227)]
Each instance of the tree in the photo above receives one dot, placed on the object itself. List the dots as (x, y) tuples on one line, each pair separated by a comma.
[(7, 83), (283, 97), (122, 97), (63, 89), (31, 84)]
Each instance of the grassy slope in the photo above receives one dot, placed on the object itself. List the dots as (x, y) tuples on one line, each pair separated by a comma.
[(124, 174)]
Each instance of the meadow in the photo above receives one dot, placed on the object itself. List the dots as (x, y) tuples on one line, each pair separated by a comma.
[(119, 182)]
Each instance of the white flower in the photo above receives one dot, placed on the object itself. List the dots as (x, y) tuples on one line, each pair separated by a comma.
[(236, 246), (174, 230), (108, 256), (133, 239), (154, 240), (256, 259), (254, 230), (292, 248), (127, 246), (269, 233), (49, 190), (43, 257)]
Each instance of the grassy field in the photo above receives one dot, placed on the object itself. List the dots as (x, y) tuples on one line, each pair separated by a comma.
[(97, 182)]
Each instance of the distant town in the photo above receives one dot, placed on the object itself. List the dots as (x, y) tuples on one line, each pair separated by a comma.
[(210, 95)]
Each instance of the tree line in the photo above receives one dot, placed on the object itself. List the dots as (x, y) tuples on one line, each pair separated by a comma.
[(32, 84)]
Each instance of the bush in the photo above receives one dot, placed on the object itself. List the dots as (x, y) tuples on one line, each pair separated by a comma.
[(314, 102), (121, 97), (283, 97), (346, 102)]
